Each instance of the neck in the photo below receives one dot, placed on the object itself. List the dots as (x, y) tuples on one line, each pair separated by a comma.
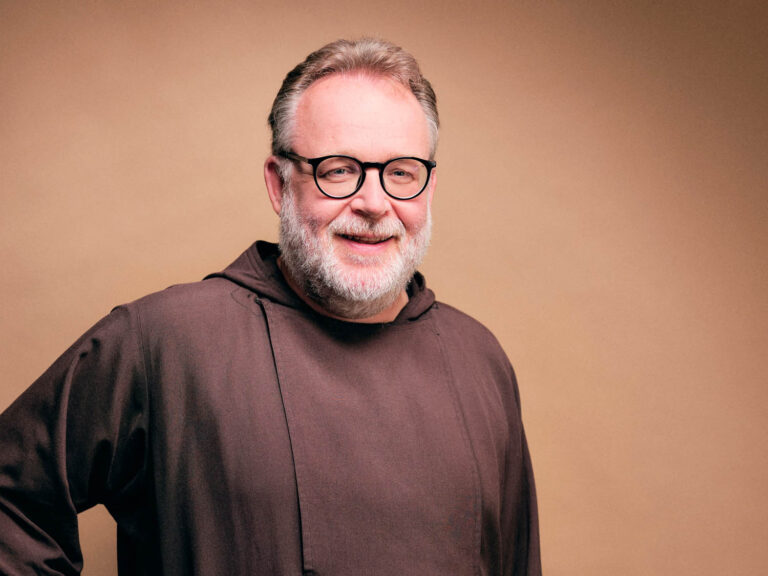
[(388, 314)]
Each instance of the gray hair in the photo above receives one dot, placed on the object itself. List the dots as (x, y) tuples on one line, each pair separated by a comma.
[(367, 55)]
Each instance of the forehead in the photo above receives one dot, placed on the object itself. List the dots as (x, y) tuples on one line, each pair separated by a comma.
[(371, 117)]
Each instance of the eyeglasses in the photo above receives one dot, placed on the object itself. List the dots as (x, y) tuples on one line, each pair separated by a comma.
[(341, 176)]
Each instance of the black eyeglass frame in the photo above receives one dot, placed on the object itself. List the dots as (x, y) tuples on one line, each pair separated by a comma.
[(315, 162)]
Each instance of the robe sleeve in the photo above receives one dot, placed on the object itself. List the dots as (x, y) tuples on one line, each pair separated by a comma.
[(522, 554), (75, 438)]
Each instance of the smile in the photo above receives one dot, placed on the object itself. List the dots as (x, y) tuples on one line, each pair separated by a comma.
[(365, 239)]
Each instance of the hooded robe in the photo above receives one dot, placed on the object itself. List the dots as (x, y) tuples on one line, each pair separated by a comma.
[(231, 430)]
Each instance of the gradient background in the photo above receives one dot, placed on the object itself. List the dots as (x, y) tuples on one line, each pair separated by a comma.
[(602, 207)]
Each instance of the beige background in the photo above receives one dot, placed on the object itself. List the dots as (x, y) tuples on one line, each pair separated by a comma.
[(602, 208)]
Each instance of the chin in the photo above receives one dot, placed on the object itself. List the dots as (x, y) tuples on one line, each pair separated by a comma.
[(368, 285)]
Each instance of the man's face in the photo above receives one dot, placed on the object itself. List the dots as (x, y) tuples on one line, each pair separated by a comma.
[(355, 256)]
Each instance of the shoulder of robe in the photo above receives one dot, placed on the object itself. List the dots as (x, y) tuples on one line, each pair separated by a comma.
[(454, 322), (205, 311)]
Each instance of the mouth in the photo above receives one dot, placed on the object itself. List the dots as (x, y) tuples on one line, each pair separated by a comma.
[(366, 239)]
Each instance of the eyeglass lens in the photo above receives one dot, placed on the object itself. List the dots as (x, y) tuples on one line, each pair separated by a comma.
[(340, 176)]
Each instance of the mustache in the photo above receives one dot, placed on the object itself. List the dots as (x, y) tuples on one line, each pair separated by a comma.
[(358, 226)]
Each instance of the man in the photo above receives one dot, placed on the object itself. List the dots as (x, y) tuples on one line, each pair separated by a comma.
[(309, 410)]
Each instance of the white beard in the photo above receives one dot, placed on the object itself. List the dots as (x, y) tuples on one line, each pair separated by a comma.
[(363, 289)]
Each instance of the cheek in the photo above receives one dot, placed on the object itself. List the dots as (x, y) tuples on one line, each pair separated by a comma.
[(318, 214), (413, 217)]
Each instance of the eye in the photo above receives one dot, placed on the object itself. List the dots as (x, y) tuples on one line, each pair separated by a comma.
[(338, 169), (403, 171)]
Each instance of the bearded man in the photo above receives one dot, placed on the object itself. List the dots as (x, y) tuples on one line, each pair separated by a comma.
[(309, 410)]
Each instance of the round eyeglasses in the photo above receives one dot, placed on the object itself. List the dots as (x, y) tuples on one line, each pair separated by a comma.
[(341, 176)]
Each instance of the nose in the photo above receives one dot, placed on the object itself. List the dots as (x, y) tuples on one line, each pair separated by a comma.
[(371, 200)]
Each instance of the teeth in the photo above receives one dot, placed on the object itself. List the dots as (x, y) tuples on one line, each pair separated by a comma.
[(365, 240)]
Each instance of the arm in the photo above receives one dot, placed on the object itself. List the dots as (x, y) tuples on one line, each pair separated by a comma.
[(522, 555), (75, 438)]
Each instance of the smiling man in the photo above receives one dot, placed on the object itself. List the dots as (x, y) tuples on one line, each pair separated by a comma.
[(311, 409)]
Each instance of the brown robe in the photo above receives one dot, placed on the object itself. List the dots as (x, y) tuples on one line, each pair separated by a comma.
[(230, 430)]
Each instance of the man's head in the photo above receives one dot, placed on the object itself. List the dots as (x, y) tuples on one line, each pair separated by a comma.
[(352, 256)]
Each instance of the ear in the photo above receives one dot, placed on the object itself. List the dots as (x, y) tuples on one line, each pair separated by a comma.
[(274, 182)]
